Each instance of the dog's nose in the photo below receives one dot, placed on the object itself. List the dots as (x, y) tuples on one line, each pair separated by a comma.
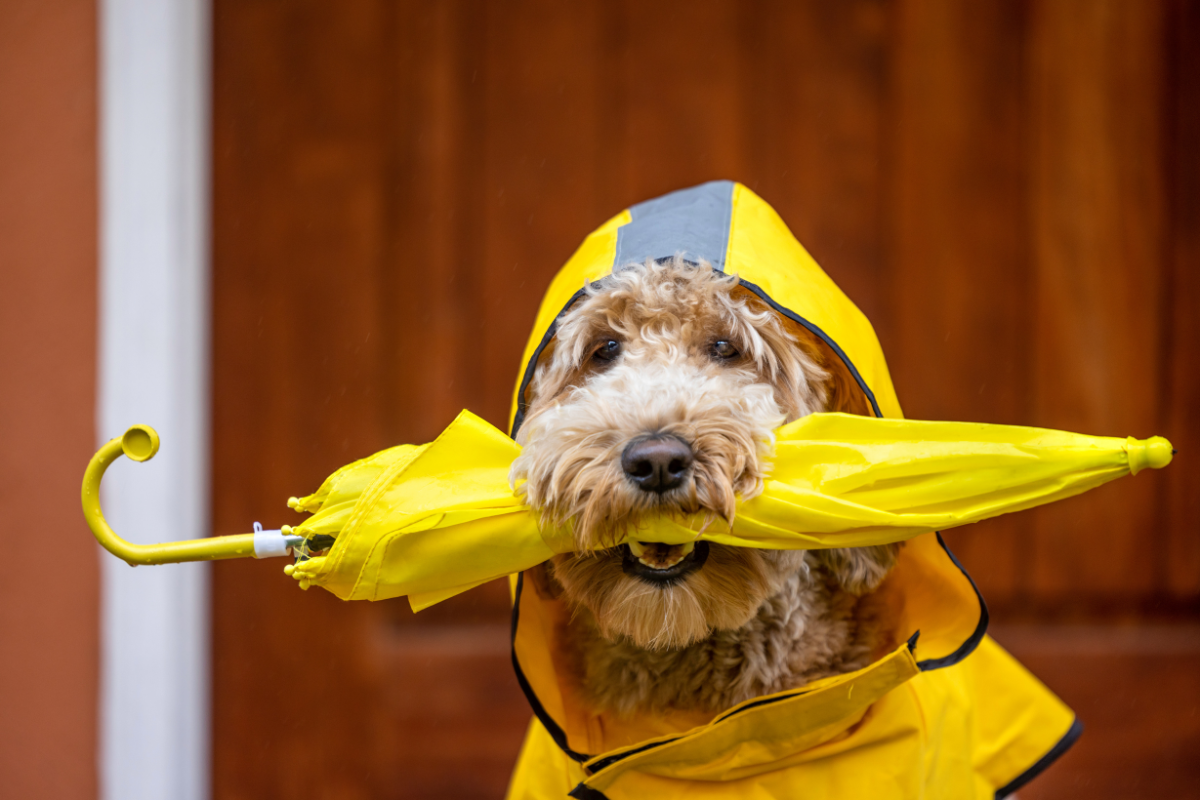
[(658, 463)]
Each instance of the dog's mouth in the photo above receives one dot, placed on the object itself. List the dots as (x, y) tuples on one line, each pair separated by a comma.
[(663, 564)]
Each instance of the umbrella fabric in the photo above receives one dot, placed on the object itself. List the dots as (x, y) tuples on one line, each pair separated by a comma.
[(429, 522)]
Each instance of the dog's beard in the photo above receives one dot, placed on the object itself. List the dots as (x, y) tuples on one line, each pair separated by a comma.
[(570, 468), (723, 595)]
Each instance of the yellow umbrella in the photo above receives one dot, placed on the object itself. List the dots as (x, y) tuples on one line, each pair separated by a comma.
[(431, 521)]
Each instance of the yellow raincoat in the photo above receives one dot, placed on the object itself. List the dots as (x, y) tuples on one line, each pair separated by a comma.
[(945, 714), (948, 714)]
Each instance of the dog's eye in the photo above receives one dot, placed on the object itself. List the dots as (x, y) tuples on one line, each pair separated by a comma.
[(724, 350), (607, 351)]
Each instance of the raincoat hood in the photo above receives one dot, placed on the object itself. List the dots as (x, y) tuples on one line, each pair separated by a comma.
[(945, 714)]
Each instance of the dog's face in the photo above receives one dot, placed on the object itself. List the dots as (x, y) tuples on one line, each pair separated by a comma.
[(659, 395)]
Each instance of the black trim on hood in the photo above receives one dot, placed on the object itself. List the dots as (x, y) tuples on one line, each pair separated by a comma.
[(613, 759), (911, 643), (792, 315), (1063, 745), (531, 367), (560, 737), (967, 647)]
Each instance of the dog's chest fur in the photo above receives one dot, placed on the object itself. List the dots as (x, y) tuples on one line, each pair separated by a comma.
[(810, 629)]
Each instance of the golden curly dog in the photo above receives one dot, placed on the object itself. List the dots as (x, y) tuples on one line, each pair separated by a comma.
[(659, 395)]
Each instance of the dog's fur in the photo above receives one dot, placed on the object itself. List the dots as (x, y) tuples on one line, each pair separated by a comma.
[(677, 349)]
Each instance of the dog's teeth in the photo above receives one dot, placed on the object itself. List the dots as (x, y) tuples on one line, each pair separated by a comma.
[(663, 564), (639, 551)]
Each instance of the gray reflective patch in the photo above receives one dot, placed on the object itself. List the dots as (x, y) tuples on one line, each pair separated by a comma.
[(691, 222)]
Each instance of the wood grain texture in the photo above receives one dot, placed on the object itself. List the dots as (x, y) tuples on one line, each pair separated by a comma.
[(1137, 692), (342, 253), (813, 82), (958, 270), (298, 191), (672, 104), (1007, 189), (1179, 560), (432, 299), (1098, 224), (544, 133)]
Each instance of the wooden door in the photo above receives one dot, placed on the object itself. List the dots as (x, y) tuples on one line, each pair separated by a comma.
[(1008, 190)]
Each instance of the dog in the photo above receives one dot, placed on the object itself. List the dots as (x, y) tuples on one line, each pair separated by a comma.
[(659, 394)]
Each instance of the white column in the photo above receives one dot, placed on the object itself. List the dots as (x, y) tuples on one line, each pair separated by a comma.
[(154, 338)]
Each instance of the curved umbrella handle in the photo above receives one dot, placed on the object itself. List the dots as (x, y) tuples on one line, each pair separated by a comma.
[(140, 443)]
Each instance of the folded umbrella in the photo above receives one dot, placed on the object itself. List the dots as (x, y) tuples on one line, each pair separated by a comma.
[(431, 521)]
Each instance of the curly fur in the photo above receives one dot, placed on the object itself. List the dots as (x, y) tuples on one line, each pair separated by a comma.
[(805, 630), (748, 621)]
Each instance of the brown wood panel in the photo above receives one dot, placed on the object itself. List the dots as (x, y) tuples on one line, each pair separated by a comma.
[(1179, 561), (297, 212), (813, 82), (671, 101), (1137, 692), (958, 278), (542, 141), (50, 595), (344, 263), (1097, 210), (432, 298)]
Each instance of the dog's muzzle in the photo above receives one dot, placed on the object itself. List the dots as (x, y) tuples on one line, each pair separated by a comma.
[(663, 564)]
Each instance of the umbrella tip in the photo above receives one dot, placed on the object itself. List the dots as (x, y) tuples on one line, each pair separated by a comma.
[(1155, 453)]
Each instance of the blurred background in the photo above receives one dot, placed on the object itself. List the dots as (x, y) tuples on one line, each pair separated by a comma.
[(1009, 189)]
